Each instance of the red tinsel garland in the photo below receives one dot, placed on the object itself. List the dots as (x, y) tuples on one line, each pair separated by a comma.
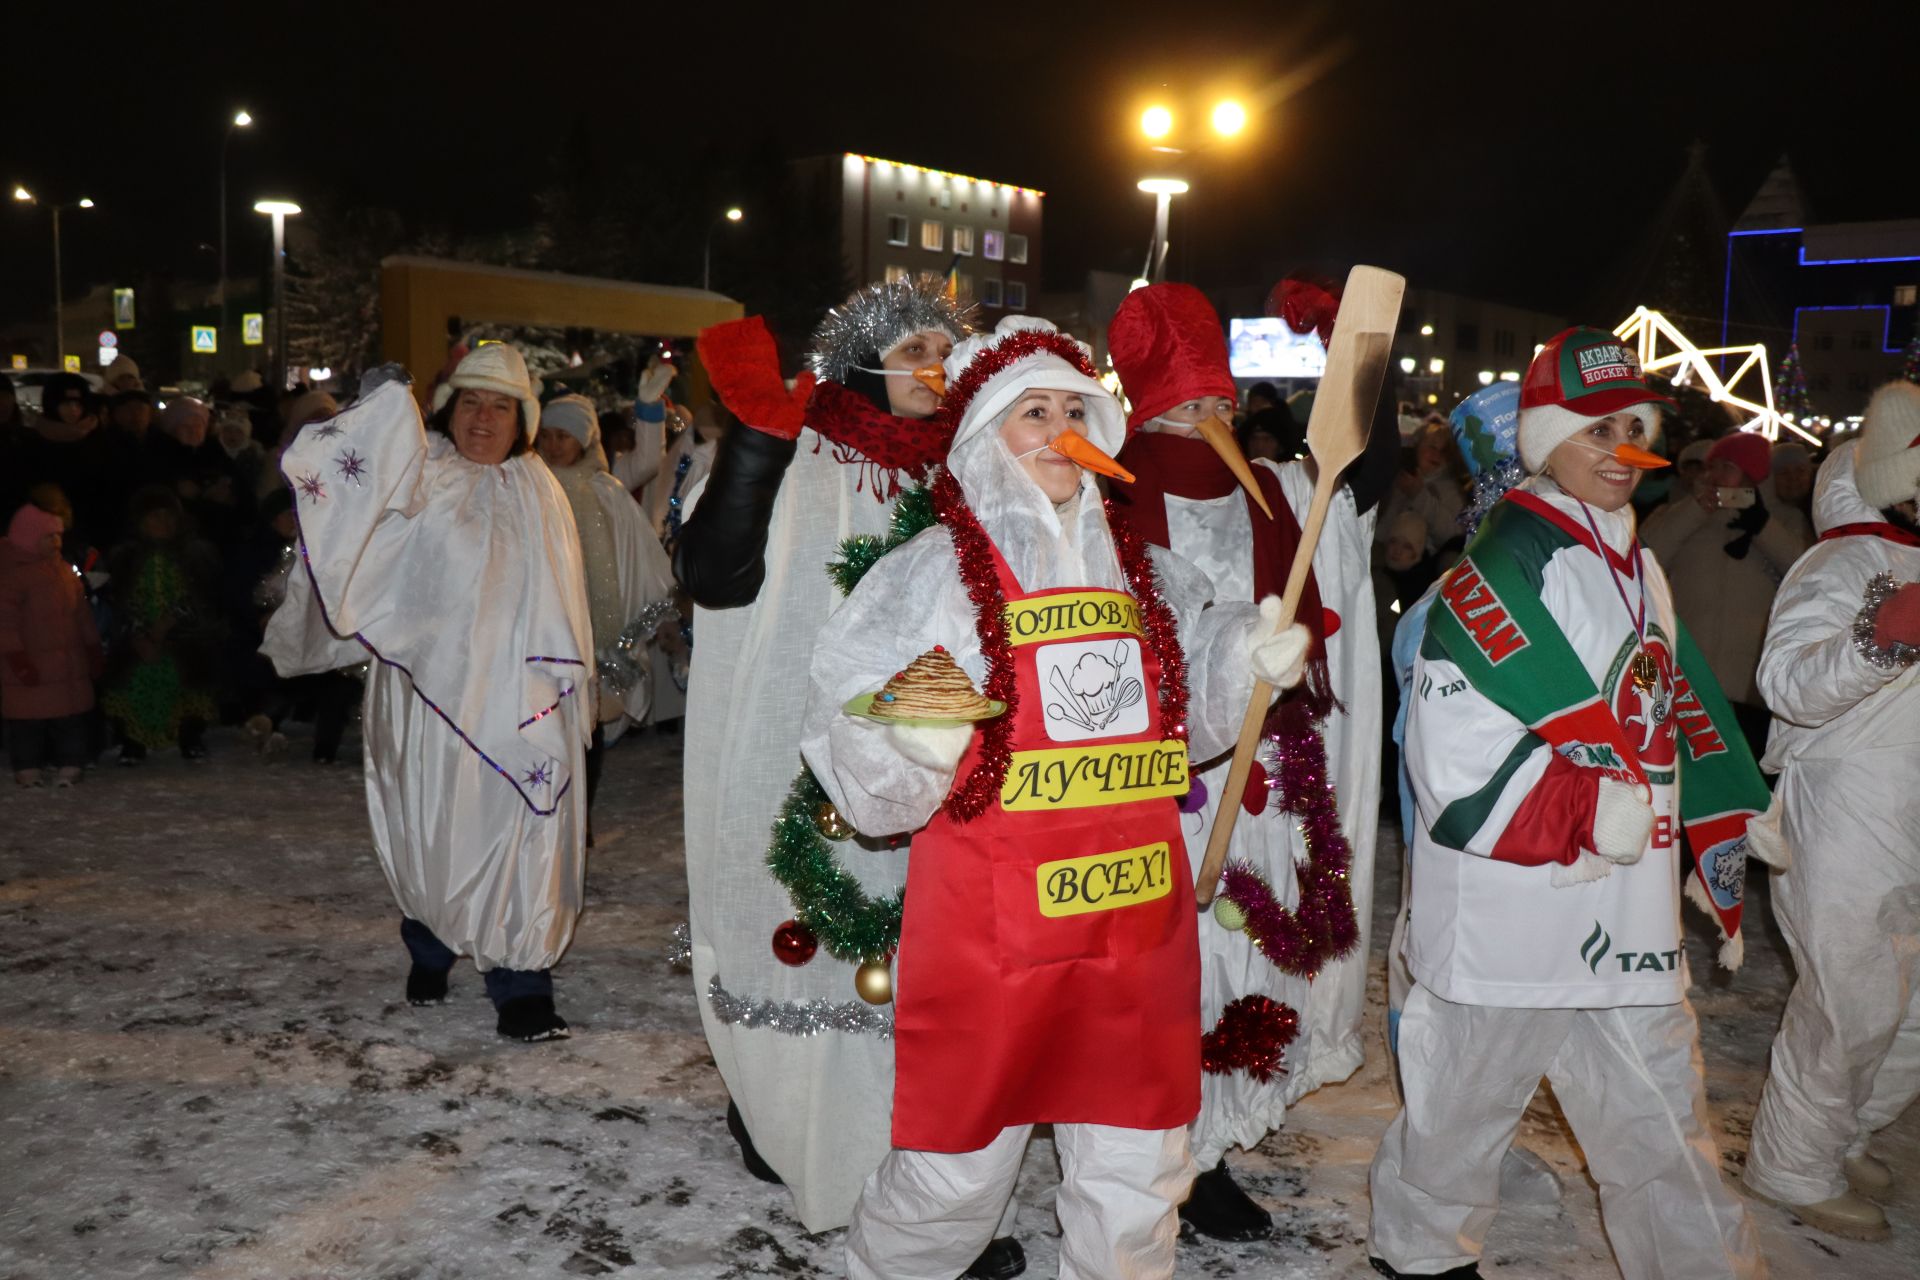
[(1252, 1036), (1026, 342), (974, 551), (1323, 928)]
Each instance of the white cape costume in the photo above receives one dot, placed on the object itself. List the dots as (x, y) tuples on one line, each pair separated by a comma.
[(463, 584)]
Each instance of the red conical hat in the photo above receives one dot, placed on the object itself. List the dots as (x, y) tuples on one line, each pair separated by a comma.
[(1168, 348)]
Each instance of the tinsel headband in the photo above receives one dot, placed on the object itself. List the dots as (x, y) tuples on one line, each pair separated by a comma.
[(998, 357), (875, 319)]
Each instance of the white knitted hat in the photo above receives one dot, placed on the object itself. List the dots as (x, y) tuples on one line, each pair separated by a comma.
[(977, 402), (1886, 464), (494, 367), (575, 415)]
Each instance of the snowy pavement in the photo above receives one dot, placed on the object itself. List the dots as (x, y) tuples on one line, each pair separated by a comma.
[(207, 1070)]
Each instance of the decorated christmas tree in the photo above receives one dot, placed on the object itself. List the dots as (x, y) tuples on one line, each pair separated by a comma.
[(1910, 366), (1790, 386)]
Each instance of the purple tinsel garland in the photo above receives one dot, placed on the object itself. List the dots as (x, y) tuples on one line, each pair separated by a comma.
[(1323, 928)]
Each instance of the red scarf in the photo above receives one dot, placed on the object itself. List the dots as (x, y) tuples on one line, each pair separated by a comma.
[(1873, 529), (1187, 467), (885, 445)]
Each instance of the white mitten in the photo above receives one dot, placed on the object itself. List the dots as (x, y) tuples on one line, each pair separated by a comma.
[(1279, 657), (1584, 869), (936, 747), (653, 383), (1622, 821)]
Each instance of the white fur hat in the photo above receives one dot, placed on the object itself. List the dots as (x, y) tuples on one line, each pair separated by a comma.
[(1887, 462), (988, 372), (575, 415), (498, 367)]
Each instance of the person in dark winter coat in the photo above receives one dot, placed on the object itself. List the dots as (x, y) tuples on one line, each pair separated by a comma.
[(166, 631)]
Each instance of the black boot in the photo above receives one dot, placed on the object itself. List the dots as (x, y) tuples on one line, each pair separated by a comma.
[(1220, 1209), (426, 986), (531, 1018), (1002, 1259), (1469, 1272), (756, 1165)]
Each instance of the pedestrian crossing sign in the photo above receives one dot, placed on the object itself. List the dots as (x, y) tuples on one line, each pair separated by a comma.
[(205, 341), (253, 328)]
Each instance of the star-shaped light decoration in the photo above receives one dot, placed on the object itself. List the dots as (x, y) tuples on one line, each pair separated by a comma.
[(537, 777), (311, 487), (352, 466)]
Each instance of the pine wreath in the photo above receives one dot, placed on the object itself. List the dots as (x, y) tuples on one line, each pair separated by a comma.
[(850, 924)]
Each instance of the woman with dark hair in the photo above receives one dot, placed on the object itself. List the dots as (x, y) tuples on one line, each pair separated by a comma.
[(448, 555)]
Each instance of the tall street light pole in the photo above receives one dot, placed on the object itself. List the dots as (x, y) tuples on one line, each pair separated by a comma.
[(279, 211), (706, 257), (25, 196), (241, 120), (1163, 190)]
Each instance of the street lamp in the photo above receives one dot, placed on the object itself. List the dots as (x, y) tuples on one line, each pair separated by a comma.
[(1229, 118), (1156, 122), (733, 214), (241, 120), (1163, 190), (279, 210), (25, 196)]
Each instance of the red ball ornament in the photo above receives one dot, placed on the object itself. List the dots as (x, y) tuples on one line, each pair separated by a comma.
[(794, 944)]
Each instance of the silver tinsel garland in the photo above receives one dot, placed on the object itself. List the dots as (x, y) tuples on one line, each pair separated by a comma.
[(855, 1017), (876, 318), (1898, 654), (680, 950), (624, 664)]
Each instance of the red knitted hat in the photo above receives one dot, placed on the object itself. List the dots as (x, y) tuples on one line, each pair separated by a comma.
[(1746, 450), (1168, 348)]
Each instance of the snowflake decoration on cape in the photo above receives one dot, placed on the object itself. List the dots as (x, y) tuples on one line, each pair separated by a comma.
[(537, 777), (327, 430), (311, 487), (352, 467)]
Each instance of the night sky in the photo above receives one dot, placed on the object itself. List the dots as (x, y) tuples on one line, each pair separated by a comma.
[(1515, 152)]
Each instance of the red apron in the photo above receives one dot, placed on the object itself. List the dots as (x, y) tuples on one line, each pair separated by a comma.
[(1049, 965)]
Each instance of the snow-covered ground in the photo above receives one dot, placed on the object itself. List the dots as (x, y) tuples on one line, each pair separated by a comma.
[(207, 1070)]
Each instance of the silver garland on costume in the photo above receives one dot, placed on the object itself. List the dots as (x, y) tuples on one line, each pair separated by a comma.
[(876, 318), (1488, 488), (624, 664), (856, 1017), (272, 587), (680, 949), (1897, 654)]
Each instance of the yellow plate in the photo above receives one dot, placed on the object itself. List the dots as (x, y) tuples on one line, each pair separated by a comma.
[(862, 706)]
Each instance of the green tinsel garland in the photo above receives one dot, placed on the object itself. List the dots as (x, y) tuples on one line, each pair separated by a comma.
[(828, 901)]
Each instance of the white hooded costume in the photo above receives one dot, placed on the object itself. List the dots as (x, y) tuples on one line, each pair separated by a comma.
[(464, 585), (927, 1213), (1846, 744)]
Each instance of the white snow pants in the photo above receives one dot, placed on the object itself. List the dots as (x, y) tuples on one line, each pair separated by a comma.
[(1630, 1083), (926, 1215), (1847, 1059)]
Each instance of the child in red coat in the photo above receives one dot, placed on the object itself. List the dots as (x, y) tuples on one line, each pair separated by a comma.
[(49, 652)]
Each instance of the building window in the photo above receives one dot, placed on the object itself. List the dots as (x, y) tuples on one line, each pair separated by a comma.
[(1820, 382), (1905, 295), (1466, 337), (896, 274), (946, 198), (962, 286), (992, 246), (963, 240), (1016, 295), (933, 235), (1823, 342), (1016, 253), (1857, 382), (1503, 342), (1862, 340), (896, 228), (990, 290)]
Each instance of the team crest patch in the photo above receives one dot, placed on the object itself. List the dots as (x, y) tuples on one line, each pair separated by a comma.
[(1606, 362)]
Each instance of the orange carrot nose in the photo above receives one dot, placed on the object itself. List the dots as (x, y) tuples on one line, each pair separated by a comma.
[(1220, 436), (1634, 456), (1077, 448), (934, 379)]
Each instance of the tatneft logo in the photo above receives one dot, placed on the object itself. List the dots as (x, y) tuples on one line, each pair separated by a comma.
[(1607, 363), (1599, 945)]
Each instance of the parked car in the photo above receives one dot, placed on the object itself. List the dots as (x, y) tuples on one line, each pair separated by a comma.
[(27, 384)]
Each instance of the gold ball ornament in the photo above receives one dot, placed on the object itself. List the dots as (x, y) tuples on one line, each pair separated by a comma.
[(874, 982), (828, 822), (1228, 915)]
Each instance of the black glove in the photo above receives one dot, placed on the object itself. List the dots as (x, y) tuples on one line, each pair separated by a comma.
[(720, 558), (1749, 522)]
